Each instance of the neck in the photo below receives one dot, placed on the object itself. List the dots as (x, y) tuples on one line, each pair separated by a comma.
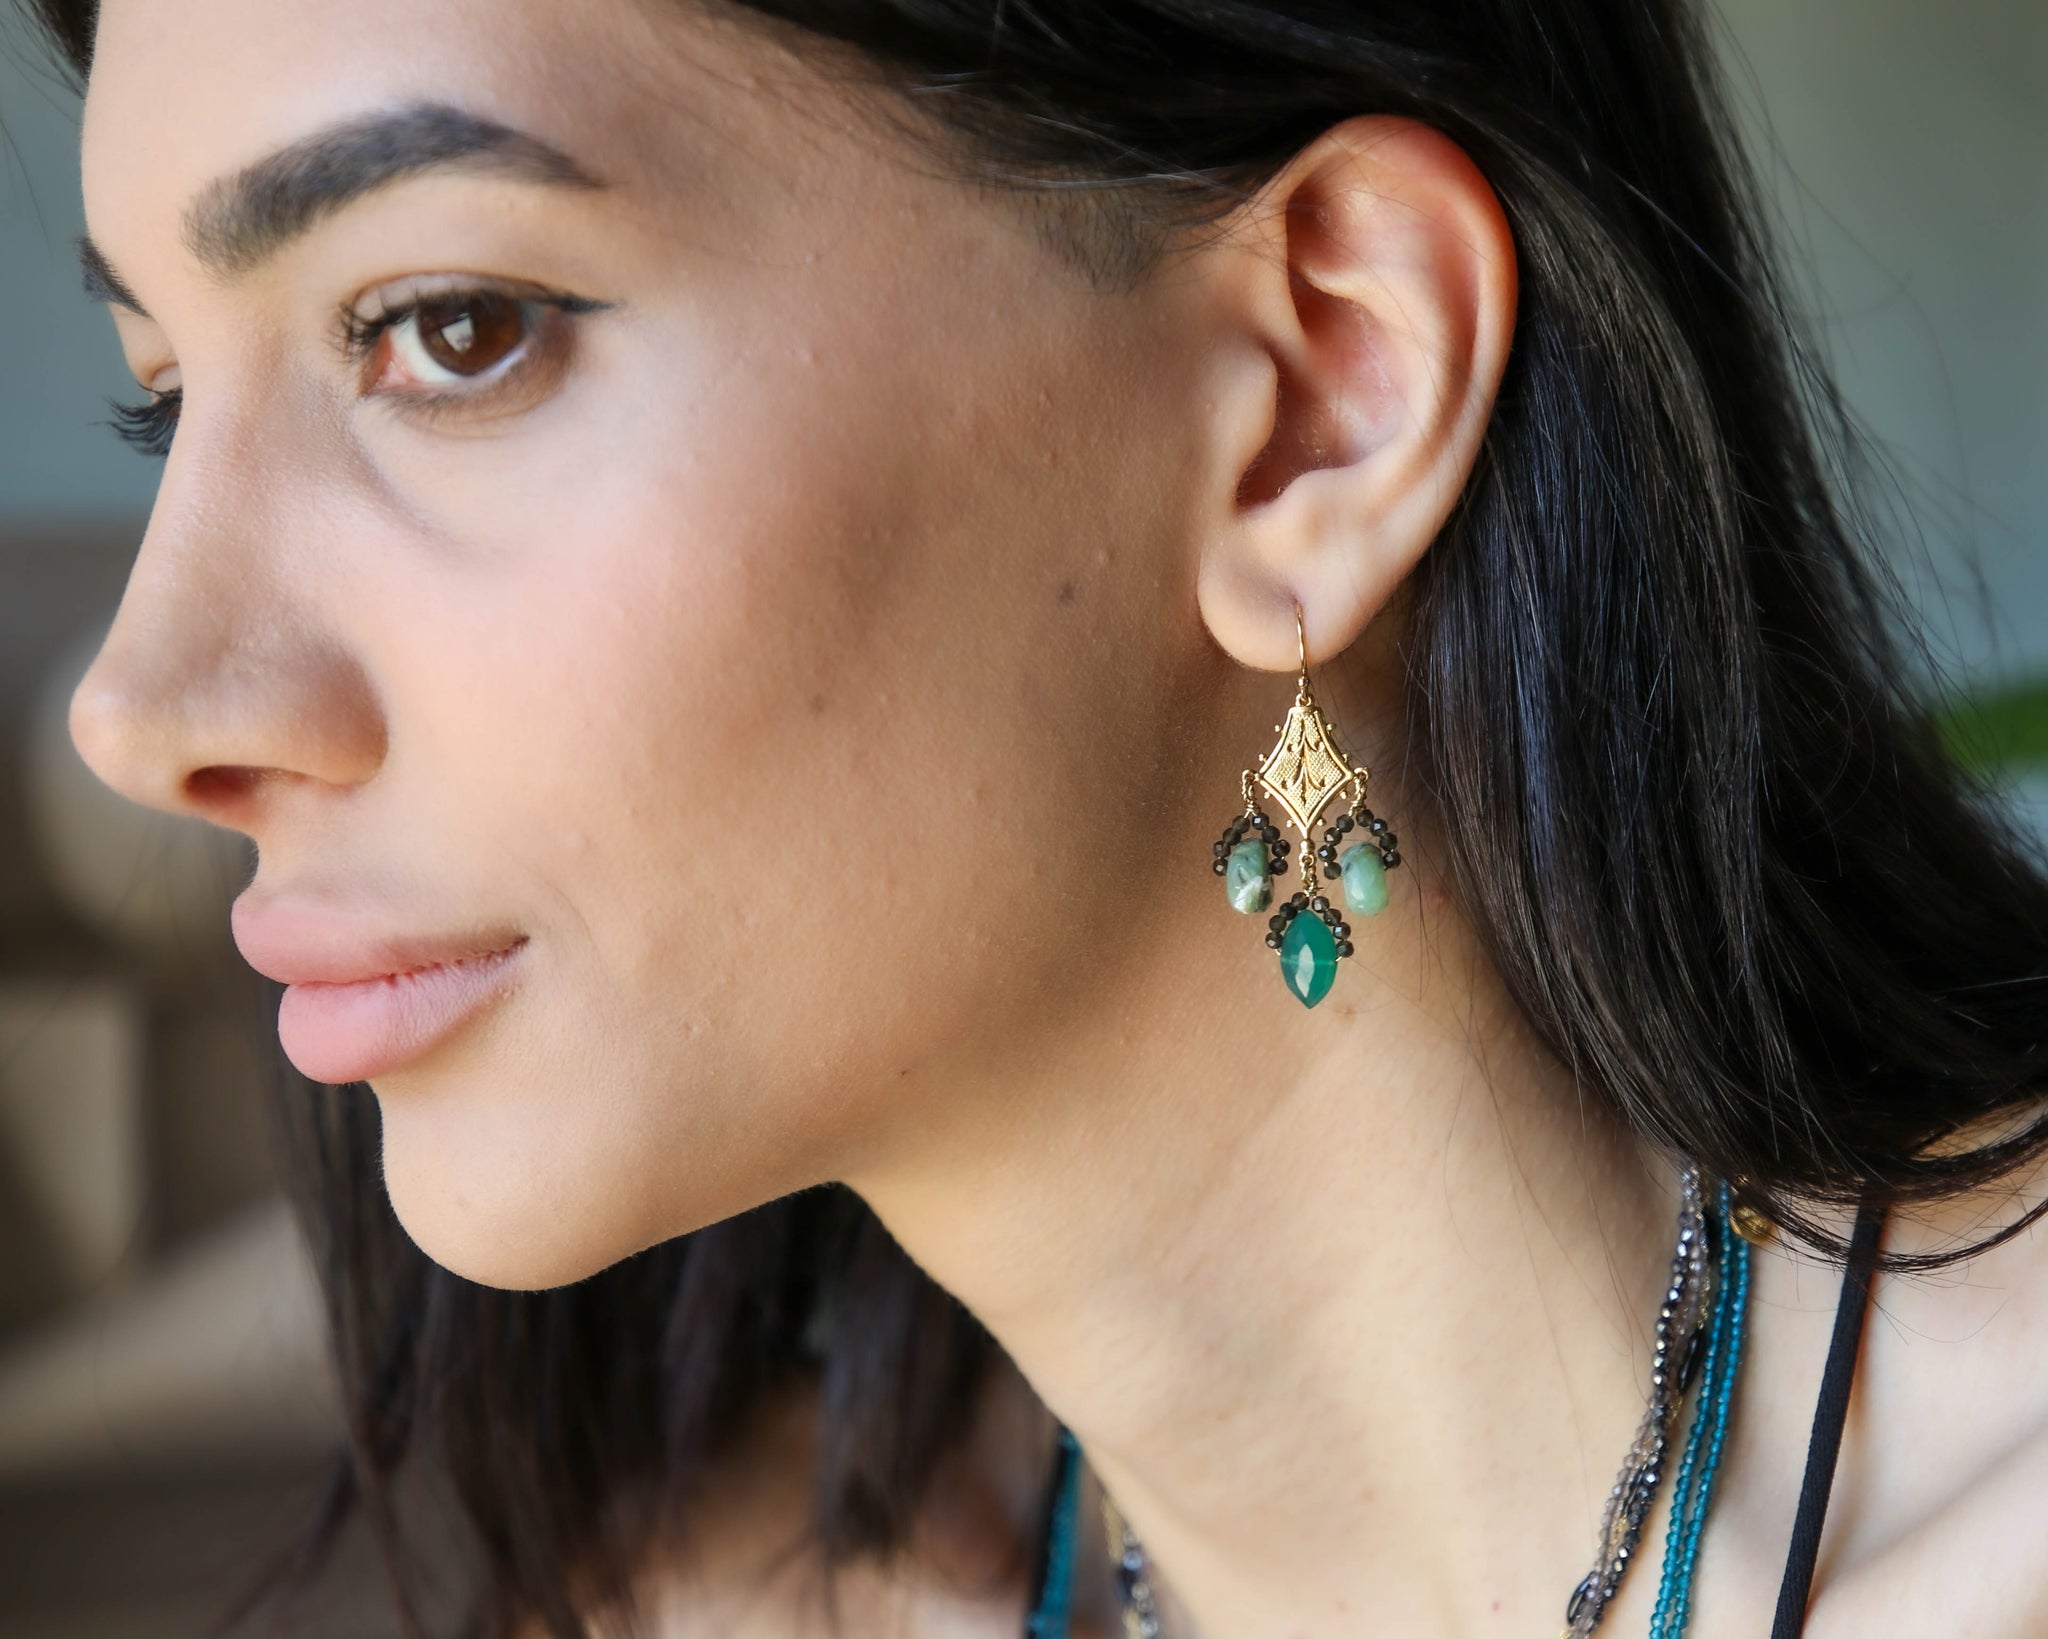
[(1349, 1308)]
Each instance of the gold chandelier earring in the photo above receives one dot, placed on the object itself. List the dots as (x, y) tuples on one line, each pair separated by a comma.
[(1306, 769)]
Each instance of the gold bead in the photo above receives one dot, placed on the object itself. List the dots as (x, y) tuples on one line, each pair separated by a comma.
[(1752, 1225)]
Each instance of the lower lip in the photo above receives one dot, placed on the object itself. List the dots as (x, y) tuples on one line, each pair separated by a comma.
[(337, 1033)]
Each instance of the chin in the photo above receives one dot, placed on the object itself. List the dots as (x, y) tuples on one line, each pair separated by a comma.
[(504, 1264), (519, 1216), (494, 1241), (529, 1204)]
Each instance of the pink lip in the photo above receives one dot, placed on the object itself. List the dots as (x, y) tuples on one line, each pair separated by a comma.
[(360, 1003)]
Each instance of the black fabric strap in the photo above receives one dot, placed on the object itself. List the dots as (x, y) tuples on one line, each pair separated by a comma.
[(1825, 1443)]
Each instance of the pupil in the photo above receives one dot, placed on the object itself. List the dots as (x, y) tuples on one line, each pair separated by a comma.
[(469, 333)]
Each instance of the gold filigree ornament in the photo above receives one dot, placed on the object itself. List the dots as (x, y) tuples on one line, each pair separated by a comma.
[(1307, 767)]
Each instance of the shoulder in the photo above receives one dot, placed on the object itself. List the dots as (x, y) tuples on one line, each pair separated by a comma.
[(744, 1565), (1944, 1503), (1939, 1511)]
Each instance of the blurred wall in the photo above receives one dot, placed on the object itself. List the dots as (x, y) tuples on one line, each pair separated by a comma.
[(59, 360), (1907, 144)]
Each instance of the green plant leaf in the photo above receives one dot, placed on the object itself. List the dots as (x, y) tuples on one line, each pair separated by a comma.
[(2005, 728)]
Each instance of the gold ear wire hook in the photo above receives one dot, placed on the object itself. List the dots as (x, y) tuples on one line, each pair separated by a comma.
[(1300, 638)]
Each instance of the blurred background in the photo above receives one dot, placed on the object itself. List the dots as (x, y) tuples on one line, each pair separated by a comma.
[(163, 1399)]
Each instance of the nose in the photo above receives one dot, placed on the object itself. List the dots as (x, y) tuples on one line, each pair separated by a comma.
[(222, 686)]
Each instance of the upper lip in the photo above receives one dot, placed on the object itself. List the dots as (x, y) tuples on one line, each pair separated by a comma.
[(307, 944)]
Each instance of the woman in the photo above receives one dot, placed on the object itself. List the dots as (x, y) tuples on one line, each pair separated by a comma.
[(738, 563)]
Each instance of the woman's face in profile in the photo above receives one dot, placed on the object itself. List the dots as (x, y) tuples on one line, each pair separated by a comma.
[(631, 511)]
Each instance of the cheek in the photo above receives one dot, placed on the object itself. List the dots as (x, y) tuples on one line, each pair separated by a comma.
[(677, 719), (779, 727)]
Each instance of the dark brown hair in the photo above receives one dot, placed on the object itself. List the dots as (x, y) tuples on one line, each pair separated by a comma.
[(1657, 692)]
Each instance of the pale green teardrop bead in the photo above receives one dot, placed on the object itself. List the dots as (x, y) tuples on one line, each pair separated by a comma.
[(1365, 879), (1246, 877)]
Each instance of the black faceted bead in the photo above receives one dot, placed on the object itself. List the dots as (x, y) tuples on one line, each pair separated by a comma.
[(1281, 846), (1389, 840), (1341, 929), (1343, 947), (1300, 899), (1221, 848), (1319, 904), (1272, 941), (1327, 855), (1222, 867), (1390, 859), (1376, 826), (1344, 822), (1276, 866), (1277, 923)]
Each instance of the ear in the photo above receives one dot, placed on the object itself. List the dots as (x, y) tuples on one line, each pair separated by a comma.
[(1368, 297)]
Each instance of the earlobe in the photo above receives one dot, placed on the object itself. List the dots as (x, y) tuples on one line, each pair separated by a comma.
[(1374, 279)]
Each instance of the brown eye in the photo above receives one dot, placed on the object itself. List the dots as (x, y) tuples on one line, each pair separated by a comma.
[(468, 332), (468, 347)]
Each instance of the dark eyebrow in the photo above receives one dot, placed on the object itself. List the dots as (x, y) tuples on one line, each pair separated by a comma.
[(237, 222), (102, 283)]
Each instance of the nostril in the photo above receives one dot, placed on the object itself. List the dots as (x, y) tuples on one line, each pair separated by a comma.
[(220, 785), (202, 719)]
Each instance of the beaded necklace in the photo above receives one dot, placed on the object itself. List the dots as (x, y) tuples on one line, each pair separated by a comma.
[(1699, 1338)]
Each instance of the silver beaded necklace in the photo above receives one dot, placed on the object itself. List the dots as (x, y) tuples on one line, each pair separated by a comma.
[(1681, 1321)]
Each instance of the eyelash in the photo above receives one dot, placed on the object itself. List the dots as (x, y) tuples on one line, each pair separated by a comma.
[(150, 425), (147, 426)]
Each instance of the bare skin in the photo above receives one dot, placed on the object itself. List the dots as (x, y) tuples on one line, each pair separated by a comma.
[(833, 656)]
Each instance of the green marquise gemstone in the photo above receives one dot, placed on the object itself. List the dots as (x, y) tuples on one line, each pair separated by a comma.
[(1365, 879), (1246, 877), (1308, 958)]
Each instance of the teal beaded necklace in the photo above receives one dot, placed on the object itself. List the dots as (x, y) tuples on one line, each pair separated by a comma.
[(1711, 1353), (1693, 1490)]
